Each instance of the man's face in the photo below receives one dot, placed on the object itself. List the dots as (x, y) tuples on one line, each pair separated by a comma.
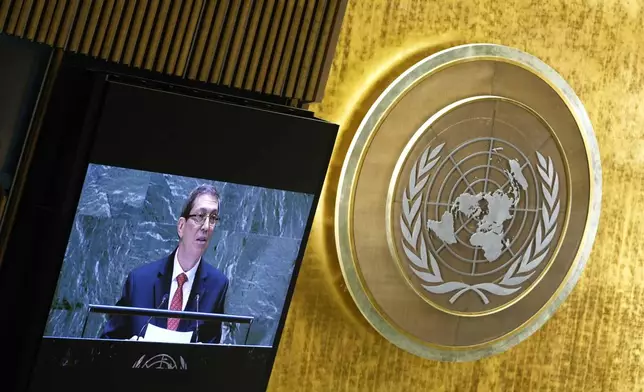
[(195, 232)]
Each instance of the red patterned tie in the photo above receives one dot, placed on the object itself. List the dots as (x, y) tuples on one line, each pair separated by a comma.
[(177, 301)]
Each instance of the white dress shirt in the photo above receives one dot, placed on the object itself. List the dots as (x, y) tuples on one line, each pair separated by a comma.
[(187, 286)]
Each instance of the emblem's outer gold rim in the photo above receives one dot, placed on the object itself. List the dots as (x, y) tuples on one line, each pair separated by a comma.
[(352, 164), (393, 185)]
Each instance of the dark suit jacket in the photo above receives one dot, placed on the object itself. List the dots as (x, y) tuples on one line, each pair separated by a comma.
[(146, 286)]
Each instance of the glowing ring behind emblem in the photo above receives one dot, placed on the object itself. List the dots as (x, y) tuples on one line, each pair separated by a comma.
[(352, 165)]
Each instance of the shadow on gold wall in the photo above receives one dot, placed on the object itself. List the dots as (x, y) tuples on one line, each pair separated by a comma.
[(362, 95)]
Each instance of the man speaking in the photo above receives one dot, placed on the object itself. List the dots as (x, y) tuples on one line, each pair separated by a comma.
[(180, 281)]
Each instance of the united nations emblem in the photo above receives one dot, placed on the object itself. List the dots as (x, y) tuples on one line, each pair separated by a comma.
[(481, 218), (468, 202), (160, 361)]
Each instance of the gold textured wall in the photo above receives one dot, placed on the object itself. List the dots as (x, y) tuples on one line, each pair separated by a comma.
[(595, 341)]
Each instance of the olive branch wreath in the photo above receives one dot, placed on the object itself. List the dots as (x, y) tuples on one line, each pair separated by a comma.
[(424, 265)]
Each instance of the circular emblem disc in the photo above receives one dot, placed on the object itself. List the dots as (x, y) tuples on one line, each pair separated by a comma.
[(468, 202)]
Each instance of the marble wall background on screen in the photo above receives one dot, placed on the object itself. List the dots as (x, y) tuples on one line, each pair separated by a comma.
[(126, 218)]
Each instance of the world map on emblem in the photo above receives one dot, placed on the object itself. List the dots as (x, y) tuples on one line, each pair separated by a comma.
[(488, 221), (489, 209)]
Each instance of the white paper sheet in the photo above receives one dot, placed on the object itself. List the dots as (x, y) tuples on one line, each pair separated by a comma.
[(162, 335)]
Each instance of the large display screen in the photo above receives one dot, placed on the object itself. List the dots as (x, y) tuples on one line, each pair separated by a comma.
[(171, 226), (136, 235)]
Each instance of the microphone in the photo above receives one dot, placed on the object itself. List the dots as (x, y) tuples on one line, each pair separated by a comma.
[(197, 327), (163, 301)]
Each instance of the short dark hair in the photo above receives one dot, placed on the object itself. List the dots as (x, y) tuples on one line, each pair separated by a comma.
[(198, 191)]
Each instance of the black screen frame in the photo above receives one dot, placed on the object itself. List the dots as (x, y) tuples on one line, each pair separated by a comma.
[(70, 138)]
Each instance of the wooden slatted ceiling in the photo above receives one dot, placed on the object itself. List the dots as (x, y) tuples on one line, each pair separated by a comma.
[(277, 47)]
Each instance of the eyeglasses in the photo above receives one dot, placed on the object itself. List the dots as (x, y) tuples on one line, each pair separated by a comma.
[(199, 219)]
